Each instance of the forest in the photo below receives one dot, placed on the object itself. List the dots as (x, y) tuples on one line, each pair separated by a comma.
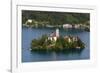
[(55, 18)]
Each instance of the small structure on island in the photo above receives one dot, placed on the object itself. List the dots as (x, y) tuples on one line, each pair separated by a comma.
[(57, 33), (54, 35), (71, 38)]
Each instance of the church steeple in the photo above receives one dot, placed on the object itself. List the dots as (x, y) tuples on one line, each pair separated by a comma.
[(57, 32)]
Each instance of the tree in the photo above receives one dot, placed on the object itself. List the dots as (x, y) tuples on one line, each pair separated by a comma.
[(55, 18)]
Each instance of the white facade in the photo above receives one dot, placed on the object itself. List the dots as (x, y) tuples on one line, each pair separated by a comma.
[(57, 32), (29, 20), (54, 35), (67, 26)]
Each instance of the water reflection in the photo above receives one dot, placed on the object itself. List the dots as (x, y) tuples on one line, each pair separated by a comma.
[(66, 52)]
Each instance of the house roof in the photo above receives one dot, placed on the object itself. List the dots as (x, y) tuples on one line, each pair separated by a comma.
[(53, 34)]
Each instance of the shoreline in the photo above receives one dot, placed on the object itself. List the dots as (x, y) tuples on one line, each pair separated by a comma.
[(86, 28)]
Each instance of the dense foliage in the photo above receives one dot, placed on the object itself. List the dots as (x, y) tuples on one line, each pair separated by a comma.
[(43, 44), (55, 18)]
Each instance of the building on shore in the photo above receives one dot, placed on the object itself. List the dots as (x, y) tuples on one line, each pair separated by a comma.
[(67, 26), (76, 26)]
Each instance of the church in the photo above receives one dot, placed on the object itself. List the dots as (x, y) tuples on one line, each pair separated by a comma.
[(54, 35)]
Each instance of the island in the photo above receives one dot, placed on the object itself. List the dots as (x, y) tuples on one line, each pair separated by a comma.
[(57, 43)]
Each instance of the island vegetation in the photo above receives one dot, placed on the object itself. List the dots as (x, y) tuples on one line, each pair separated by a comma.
[(66, 43)]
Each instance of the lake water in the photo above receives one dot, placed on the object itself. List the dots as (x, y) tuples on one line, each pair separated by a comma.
[(34, 33)]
